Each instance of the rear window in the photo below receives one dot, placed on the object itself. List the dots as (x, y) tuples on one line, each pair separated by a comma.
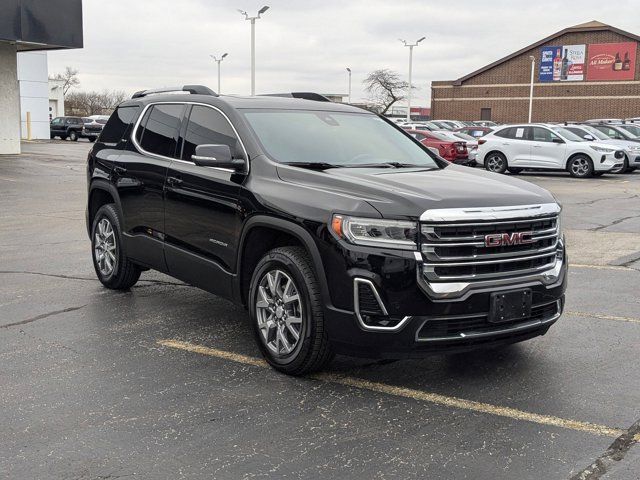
[(160, 134), (118, 124)]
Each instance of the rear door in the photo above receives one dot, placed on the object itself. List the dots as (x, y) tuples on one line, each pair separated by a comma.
[(514, 143), (139, 175), (203, 216), (545, 153)]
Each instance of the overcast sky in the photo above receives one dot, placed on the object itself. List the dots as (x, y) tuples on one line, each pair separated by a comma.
[(137, 44)]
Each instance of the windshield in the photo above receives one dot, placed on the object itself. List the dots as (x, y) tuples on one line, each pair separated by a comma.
[(597, 134), (334, 138), (464, 136), (632, 129), (568, 135)]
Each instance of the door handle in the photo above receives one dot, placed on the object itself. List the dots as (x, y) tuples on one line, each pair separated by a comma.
[(537, 146), (174, 181), (119, 170)]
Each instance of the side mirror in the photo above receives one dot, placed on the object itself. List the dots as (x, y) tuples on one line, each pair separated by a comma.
[(216, 156), (589, 137), (557, 140)]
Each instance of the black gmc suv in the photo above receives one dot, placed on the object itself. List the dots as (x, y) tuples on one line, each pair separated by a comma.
[(337, 230)]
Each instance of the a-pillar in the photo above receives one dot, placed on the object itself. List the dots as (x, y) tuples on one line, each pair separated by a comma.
[(9, 100)]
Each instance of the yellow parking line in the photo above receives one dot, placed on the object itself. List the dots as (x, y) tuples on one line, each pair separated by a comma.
[(603, 317), (418, 395), (600, 267)]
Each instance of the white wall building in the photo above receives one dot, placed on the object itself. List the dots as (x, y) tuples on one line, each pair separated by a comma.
[(33, 79), (56, 99)]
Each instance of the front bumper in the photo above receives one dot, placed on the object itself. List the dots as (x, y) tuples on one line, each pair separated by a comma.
[(606, 162), (428, 323)]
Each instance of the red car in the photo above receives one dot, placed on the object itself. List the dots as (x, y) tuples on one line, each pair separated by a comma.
[(455, 152)]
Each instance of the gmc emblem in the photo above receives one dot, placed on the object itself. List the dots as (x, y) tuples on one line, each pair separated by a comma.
[(500, 239)]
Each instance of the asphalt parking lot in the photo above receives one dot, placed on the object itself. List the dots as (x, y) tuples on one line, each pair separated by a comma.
[(164, 381)]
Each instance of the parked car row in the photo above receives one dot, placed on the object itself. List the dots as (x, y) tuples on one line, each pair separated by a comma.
[(74, 128)]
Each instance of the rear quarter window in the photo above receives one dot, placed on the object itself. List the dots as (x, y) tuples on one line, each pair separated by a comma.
[(119, 123)]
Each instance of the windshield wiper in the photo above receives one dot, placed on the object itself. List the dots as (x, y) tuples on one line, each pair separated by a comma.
[(313, 165), (388, 165)]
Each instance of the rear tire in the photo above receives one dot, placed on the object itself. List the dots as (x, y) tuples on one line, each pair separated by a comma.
[(580, 166), (92, 139), (73, 136), (496, 162), (113, 268), (515, 171), (285, 306)]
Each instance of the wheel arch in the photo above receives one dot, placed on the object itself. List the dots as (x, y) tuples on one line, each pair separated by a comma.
[(273, 232), (577, 154), (101, 193)]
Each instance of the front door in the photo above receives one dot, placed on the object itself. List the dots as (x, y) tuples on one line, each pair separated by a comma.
[(139, 174), (203, 218), (545, 153)]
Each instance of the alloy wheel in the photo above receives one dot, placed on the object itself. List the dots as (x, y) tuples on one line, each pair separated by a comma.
[(105, 248), (279, 312), (580, 167), (495, 163)]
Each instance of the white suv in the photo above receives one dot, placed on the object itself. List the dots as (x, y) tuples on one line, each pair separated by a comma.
[(547, 147)]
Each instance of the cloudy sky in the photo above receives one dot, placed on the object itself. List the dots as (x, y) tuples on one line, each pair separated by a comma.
[(301, 45)]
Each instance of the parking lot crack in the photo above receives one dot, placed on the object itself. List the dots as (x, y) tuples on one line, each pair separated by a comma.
[(615, 222), (615, 453), (44, 315)]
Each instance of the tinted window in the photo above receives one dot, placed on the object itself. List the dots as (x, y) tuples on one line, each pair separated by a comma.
[(118, 123), (206, 127), (56, 121), (610, 132), (161, 129), (505, 133)]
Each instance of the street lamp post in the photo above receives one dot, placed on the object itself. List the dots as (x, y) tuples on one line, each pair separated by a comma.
[(218, 61), (253, 43), (533, 65), (410, 45), (349, 70)]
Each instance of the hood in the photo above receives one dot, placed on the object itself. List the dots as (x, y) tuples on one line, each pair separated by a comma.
[(408, 192), (620, 144)]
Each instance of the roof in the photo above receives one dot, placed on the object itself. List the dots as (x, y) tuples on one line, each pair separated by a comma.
[(248, 102), (592, 26)]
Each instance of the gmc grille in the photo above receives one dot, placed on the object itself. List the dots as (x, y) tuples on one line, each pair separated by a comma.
[(456, 251)]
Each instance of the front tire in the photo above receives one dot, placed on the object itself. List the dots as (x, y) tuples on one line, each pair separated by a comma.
[(580, 166), (113, 268), (73, 136), (285, 306), (496, 162), (624, 168)]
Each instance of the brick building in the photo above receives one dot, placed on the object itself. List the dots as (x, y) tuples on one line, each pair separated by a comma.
[(582, 72)]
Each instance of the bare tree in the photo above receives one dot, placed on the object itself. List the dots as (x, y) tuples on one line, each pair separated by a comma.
[(69, 77), (385, 88), (84, 104)]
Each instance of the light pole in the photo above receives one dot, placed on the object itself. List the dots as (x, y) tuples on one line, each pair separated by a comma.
[(349, 70), (410, 45), (533, 65), (253, 43), (218, 61)]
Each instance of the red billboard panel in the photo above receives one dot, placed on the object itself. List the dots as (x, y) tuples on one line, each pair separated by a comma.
[(611, 61)]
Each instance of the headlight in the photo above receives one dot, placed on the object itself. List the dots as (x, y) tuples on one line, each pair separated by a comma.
[(635, 148), (398, 234), (602, 149)]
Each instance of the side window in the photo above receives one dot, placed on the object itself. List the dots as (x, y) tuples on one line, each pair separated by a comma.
[(56, 121), (160, 133), (542, 135), (208, 126), (68, 121), (118, 124), (505, 133)]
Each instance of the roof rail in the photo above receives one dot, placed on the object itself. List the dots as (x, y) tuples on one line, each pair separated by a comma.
[(304, 95), (193, 89)]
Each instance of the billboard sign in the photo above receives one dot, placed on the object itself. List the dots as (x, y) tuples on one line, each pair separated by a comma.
[(612, 61), (564, 63)]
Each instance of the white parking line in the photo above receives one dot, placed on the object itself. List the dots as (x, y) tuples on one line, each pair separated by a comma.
[(418, 395)]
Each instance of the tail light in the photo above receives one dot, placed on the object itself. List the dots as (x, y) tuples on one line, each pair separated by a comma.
[(481, 141), (461, 147)]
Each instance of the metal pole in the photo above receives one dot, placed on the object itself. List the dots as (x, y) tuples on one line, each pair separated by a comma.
[(219, 61), (349, 70), (533, 62), (253, 56), (409, 94)]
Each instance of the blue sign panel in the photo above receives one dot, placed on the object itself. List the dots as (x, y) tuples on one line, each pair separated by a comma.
[(547, 57)]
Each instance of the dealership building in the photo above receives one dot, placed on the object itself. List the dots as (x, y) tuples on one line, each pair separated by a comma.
[(582, 72), (27, 29)]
